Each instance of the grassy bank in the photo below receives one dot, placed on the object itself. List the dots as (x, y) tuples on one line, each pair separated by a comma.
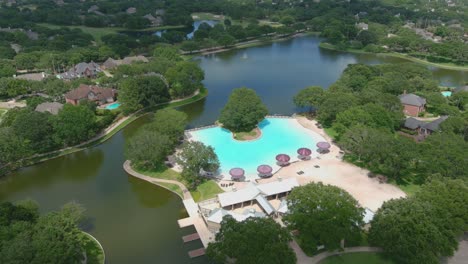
[(357, 258), (206, 190), (449, 66), (94, 252)]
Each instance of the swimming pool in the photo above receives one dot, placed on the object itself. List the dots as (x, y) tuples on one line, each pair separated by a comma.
[(113, 106), (446, 93), (279, 135)]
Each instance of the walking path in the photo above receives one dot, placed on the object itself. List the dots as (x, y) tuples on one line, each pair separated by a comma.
[(191, 207)]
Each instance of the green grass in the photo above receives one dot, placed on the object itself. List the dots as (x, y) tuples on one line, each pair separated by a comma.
[(330, 132), (2, 112), (358, 258), (173, 188), (206, 190), (246, 135), (97, 33), (94, 253)]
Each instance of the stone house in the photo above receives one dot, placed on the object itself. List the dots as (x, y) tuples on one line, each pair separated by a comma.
[(413, 105), (91, 93)]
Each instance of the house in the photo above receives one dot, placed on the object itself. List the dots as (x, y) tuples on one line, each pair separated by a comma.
[(52, 108), (111, 63), (413, 105), (32, 76), (91, 93), (82, 69), (362, 26), (131, 10), (424, 129), (155, 21)]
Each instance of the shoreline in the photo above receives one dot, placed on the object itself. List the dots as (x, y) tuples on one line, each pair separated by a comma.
[(105, 135), (328, 46), (97, 243)]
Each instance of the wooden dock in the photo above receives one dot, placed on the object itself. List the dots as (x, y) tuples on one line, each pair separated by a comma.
[(190, 237), (197, 253), (185, 222)]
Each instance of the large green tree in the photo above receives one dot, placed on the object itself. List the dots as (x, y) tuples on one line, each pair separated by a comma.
[(310, 97), (184, 78), (323, 215), (148, 149), (142, 91), (74, 124), (413, 231), (243, 111), (255, 240), (169, 122), (195, 156)]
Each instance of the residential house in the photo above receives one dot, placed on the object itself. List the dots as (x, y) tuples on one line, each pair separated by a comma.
[(111, 63), (82, 69), (423, 128), (32, 76), (91, 93), (52, 108), (413, 105), (131, 10), (362, 26), (155, 21)]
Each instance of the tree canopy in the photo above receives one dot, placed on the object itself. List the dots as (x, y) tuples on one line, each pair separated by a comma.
[(254, 240), (323, 215), (243, 111)]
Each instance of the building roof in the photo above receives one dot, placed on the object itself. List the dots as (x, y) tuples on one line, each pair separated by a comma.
[(412, 99), (32, 76), (368, 215), (413, 123), (265, 204), (218, 214), (461, 89), (243, 195), (84, 90), (52, 108), (276, 187), (110, 63), (132, 59)]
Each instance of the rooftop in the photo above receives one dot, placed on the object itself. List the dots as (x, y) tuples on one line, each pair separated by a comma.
[(412, 99)]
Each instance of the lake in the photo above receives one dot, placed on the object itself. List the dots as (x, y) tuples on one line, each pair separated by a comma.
[(137, 222)]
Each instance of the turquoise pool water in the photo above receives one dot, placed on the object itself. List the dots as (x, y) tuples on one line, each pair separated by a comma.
[(279, 135), (446, 93), (113, 106)]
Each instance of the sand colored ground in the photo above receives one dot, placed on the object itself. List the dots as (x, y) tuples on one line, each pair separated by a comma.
[(334, 171)]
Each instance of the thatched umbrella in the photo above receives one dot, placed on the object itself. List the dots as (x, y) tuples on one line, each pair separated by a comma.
[(236, 173), (323, 146), (304, 153), (282, 159), (264, 171)]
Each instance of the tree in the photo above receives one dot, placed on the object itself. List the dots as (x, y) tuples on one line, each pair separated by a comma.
[(184, 78), (254, 240), (195, 156), (310, 97), (324, 215), (334, 103), (411, 231), (227, 22), (12, 147), (142, 91), (460, 100), (226, 40), (6, 69), (74, 124), (168, 122), (148, 149), (243, 111), (36, 128)]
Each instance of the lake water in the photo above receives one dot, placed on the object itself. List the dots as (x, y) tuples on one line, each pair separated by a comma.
[(136, 222)]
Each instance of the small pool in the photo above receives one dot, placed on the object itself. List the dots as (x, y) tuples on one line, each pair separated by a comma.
[(113, 106), (446, 93), (279, 135)]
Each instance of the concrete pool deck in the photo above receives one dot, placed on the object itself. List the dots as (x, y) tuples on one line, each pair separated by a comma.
[(334, 171)]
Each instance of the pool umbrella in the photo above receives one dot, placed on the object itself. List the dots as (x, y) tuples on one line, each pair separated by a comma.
[(236, 173), (323, 146), (304, 153), (282, 159), (264, 170)]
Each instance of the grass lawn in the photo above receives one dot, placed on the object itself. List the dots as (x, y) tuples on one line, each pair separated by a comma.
[(331, 132), (409, 188), (2, 112), (357, 258), (94, 252), (206, 190), (247, 135), (97, 33)]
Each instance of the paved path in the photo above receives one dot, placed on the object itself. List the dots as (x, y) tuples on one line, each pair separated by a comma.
[(186, 194)]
